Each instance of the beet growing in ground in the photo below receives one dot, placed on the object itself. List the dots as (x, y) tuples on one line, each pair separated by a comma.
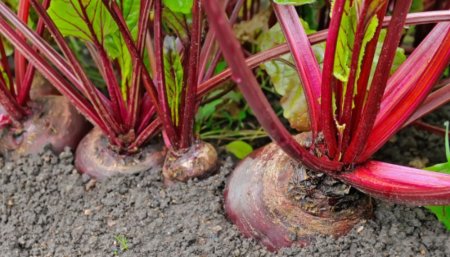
[(48, 209)]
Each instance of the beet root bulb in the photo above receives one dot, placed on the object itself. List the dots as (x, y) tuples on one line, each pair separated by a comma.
[(280, 202), (197, 161), (96, 158), (53, 122)]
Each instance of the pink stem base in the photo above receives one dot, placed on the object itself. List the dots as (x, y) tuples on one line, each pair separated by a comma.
[(400, 184)]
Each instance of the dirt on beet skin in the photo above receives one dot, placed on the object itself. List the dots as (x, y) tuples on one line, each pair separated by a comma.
[(48, 209)]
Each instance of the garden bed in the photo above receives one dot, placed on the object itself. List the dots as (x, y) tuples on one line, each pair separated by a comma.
[(48, 209)]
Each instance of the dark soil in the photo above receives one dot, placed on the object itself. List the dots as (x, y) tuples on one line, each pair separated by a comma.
[(48, 209)]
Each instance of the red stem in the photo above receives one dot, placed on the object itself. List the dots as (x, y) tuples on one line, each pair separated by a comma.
[(400, 184), (108, 124), (418, 91), (136, 49), (305, 60), (117, 102), (135, 92), (428, 127), (328, 124), (378, 85), (433, 101), (19, 60), (135, 53), (209, 45), (9, 103), (160, 80), (353, 103), (190, 91), (320, 36), (217, 54), (403, 79), (417, 61), (148, 132), (24, 94), (5, 120), (249, 87), (146, 117), (47, 70), (363, 80)]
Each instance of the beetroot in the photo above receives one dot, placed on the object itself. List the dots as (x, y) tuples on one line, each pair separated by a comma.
[(281, 202), (32, 115), (126, 116), (271, 197), (95, 157), (197, 161), (54, 122)]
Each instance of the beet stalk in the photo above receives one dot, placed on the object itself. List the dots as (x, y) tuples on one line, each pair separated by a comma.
[(282, 201), (37, 116), (126, 116)]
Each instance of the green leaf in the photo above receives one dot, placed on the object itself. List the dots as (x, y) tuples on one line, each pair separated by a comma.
[(115, 43), (221, 66), (346, 36), (285, 78), (14, 4), (239, 148), (444, 167), (370, 33), (175, 22), (294, 2), (350, 23), (442, 212), (399, 57), (9, 49), (417, 6), (182, 6), (206, 111), (67, 15), (310, 12), (447, 143), (447, 72), (173, 72), (345, 41)]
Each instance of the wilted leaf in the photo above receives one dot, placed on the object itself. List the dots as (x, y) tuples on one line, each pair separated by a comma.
[(248, 31), (239, 148), (285, 78)]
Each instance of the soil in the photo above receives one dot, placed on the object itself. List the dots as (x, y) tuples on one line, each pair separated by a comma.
[(48, 209)]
